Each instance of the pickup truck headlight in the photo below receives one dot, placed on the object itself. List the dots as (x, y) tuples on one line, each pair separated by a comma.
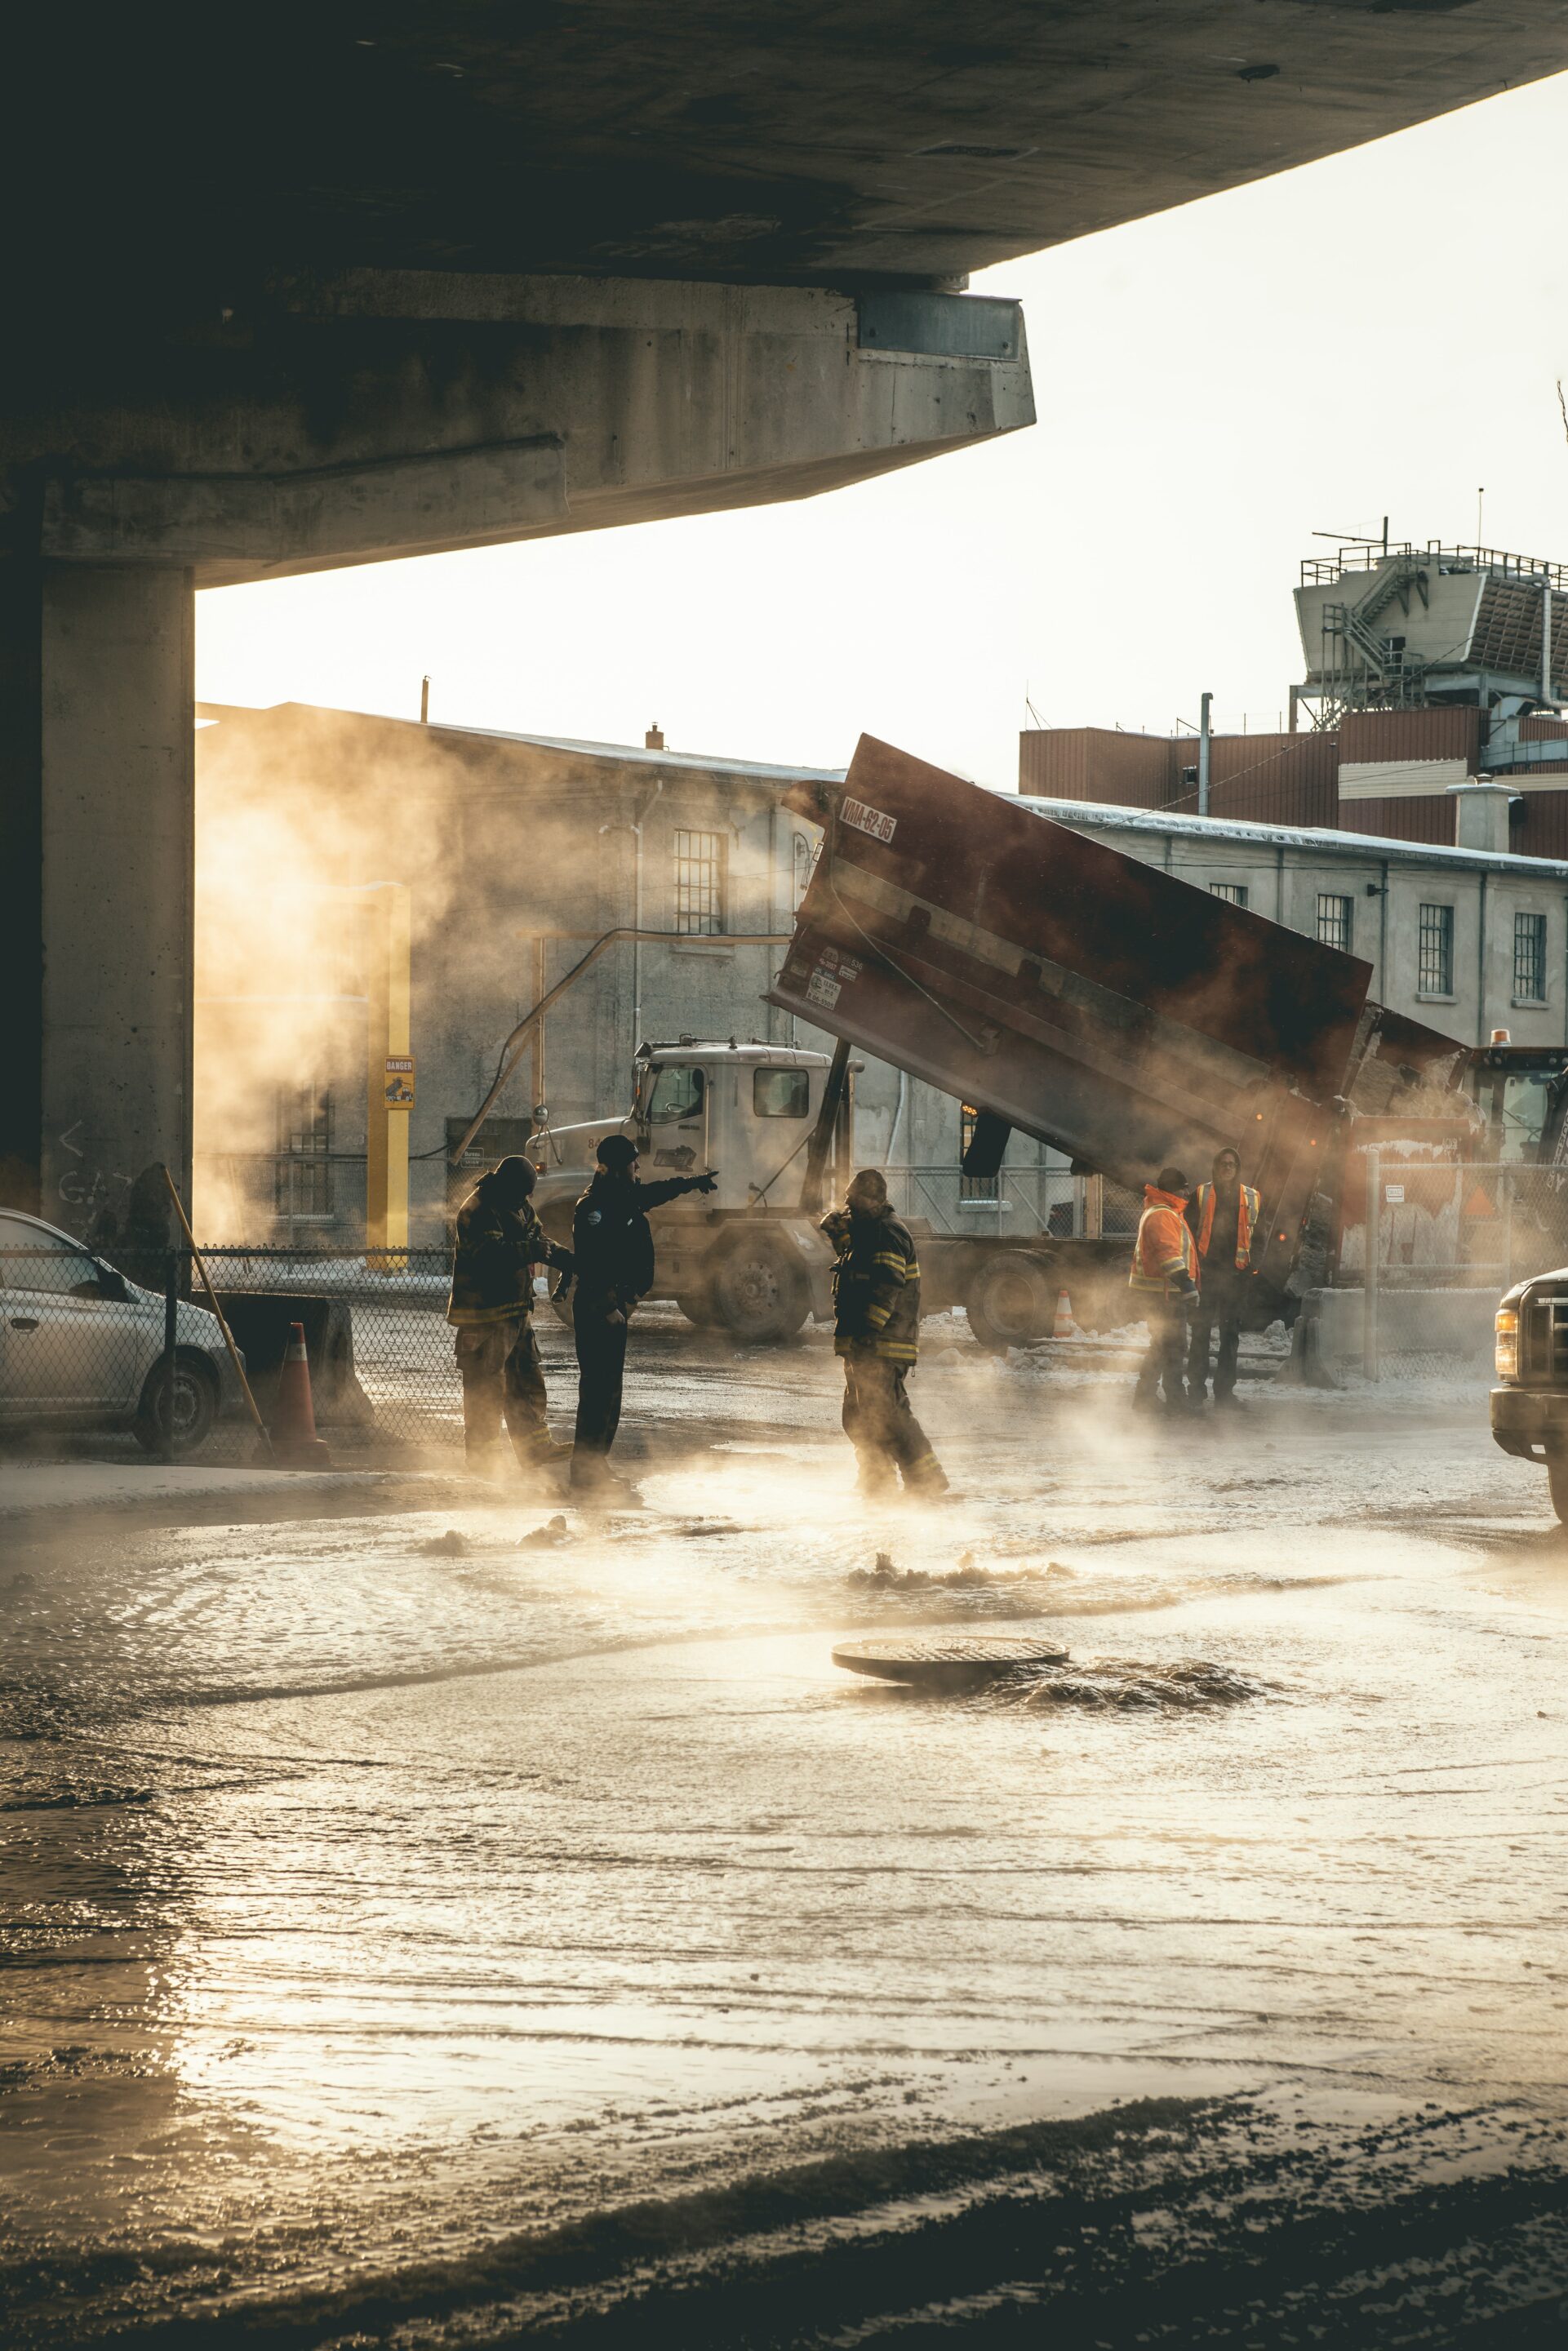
[(1507, 1327)]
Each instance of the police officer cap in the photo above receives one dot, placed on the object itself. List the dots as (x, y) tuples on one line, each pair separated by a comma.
[(617, 1152), (516, 1177)]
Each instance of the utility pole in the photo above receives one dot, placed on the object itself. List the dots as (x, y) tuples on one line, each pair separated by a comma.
[(1204, 733)]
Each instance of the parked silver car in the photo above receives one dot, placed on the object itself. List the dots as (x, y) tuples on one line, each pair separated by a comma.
[(82, 1347)]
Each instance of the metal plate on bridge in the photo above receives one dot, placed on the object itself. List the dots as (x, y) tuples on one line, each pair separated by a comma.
[(946, 1657)]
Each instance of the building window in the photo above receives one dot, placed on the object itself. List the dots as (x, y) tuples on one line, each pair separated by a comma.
[(699, 884), (1233, 893), (805, 853), (1435, 960), (976, 1190), (1333, 920), (302, 1171), (1530, 959)]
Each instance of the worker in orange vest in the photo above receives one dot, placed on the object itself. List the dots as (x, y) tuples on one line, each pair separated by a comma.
[(1165, 1280), (1223, 1217)]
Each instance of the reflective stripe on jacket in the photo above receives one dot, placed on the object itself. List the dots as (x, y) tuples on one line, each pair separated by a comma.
[(876, 1286), (497, 1249), (1165, 1247), (1245, 1217)]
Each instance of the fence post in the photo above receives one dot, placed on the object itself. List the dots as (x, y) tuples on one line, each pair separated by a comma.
[(1505, 1208), (1370, 1267), (171, 1315)]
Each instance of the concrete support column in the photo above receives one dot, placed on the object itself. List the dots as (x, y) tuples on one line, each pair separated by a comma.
[(111, 896)]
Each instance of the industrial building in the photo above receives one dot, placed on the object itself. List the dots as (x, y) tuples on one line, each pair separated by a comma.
[(518, 853), (1423, 668)]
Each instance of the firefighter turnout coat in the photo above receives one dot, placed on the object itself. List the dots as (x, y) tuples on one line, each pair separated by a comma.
[(1165, 1249), (492, 1262), (876, 1286)]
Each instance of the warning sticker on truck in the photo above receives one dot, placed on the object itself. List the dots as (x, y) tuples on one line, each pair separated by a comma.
[(869, 820), (823, 988)]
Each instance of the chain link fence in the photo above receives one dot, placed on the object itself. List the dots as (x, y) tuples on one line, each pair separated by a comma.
[(98, 1357), (1448, 1239)]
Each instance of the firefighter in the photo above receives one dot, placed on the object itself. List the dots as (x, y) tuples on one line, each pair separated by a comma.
[(1165, 1274), (613, 1252), (876, 1331), (1223, 1215), (499, 1240)]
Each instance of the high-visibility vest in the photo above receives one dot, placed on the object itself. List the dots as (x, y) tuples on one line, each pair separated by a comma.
[(1164, 1246), (1245, 1217)]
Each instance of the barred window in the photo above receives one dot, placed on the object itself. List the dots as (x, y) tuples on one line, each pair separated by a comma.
[(1233, 893), (302, 1171), (699, 884), (1530, 959), (1333, 920), (1435, 956)]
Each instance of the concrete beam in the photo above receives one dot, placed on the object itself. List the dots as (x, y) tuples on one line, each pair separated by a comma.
[(388, 413)]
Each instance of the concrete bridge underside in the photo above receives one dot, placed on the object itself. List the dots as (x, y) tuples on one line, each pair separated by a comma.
[(333, 285)]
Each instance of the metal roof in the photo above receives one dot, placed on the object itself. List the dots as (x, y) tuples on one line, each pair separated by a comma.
[(1099, 816), (636, 755)]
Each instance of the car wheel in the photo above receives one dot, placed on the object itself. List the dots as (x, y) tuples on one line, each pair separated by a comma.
[(195, 1405), (1557, 1482), (760, 1293), (1011, 1300)]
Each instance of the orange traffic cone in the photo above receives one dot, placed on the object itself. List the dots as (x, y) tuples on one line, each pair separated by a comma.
[(294, 1443), (1063, 1325)]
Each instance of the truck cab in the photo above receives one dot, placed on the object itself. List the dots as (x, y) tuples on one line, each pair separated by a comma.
[(746, 1110)]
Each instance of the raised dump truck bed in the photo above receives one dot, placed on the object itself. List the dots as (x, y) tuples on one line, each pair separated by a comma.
[(1087, 998)]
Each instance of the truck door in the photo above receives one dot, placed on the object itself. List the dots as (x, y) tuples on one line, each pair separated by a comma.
[(677, 1114)]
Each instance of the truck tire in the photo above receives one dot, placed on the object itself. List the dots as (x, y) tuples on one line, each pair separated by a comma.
[(195, 1405), (1011, 1300), (760, 1293), (697, 1306), (1557, 1483)]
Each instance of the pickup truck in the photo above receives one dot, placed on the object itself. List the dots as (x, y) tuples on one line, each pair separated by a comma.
[(1530, 1401)]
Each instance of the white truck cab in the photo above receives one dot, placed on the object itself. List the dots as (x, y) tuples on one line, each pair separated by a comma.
[(746, 1110)]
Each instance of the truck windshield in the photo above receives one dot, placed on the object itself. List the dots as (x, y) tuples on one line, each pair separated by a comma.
[(678, 1092), (1524, 1107)]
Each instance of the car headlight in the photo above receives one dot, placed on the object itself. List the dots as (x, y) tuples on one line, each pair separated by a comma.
[(1507, 1327)]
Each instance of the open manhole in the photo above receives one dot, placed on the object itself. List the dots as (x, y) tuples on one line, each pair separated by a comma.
[(948, 1659)]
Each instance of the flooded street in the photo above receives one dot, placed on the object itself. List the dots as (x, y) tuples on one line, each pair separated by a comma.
[(426, 1925)]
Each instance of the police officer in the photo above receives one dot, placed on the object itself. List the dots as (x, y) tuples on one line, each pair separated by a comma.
[(876, 1332), (499, 1240), (613, 1252), (1164, 1278), (1223, 1217)]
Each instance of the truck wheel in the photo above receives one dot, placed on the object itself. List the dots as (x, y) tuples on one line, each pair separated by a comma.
[(1011, 1300), (697, 1306), (759, 1291), (195, 1405), (1557, 1482)]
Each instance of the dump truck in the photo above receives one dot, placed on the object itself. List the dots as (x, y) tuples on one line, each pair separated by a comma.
[(1094, 1002), (777, 1123), (1068, 993)]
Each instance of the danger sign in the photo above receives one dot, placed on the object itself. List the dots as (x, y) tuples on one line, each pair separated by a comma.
[(399, 1092)]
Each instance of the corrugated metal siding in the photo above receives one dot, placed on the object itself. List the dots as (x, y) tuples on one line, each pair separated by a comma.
[(1544, 831), (1094, 763), (1275, 778), (1429, 820), (1410, 735)]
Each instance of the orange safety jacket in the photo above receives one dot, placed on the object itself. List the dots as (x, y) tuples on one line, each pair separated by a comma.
[(1165, 1249), (1245, 1217)]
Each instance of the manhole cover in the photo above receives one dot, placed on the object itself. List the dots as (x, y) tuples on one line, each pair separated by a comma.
[(946, 1657)]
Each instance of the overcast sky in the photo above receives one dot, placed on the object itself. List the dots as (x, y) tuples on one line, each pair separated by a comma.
[(1377, 334)]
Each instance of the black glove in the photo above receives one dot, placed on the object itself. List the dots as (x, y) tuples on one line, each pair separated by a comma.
[(1185, 1286), (708, 1182), (563, 1261), (564, 1284)]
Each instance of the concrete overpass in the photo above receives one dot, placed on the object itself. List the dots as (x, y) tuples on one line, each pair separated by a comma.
[(331, 286)]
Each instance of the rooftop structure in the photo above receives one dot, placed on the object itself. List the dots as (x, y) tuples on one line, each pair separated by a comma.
[(1406, 627)]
